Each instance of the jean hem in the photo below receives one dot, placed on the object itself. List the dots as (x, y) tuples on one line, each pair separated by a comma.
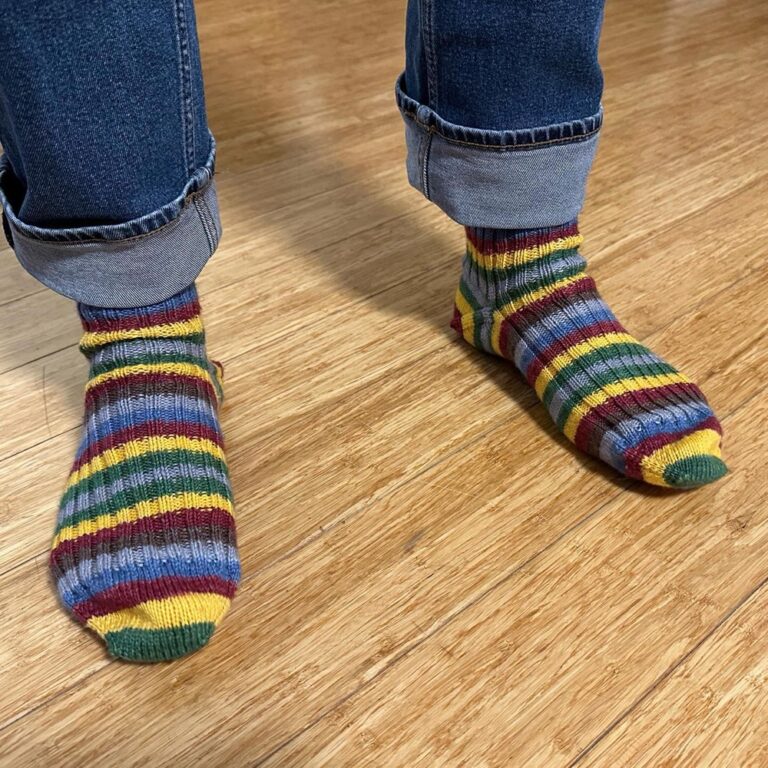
[(135, 263), (513, 179)]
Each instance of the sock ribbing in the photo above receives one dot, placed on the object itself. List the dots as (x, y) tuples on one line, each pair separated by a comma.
[(525, 295), (144, 551)]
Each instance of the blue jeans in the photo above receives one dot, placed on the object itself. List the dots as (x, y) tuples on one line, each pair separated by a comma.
[(107, 182)]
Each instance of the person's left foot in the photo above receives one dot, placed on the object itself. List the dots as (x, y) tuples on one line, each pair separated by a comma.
[(525, 295), (144, 551)]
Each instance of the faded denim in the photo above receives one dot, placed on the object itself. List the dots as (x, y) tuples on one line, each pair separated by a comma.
[(501, 103)]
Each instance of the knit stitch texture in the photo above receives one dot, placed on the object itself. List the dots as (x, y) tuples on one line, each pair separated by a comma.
[(525, 295), (144, 551)]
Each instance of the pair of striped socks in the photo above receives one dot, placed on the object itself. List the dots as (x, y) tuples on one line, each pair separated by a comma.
[(144, 551)]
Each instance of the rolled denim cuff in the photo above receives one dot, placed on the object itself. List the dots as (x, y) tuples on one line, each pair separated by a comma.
[(517, 179), (131, 264)]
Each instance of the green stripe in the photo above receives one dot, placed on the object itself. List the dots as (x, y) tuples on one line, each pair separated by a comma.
[(158, 644), (601, 354), (550, 278), (109, 475), (500, 273), (610, 377), (477, 327), (174, 357), (468, 295), (147, 492)]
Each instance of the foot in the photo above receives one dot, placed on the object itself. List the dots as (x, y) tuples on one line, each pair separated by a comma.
[(524, 295), (144, 551)]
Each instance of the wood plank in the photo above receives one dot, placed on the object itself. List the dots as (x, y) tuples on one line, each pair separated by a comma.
[(534, 668), (710, 711), (345, 605)]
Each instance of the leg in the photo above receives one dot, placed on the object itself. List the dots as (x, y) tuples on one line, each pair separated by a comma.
[(502, 113), (107, 194)]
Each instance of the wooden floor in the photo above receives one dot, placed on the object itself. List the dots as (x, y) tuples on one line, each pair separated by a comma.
[(432, 576)]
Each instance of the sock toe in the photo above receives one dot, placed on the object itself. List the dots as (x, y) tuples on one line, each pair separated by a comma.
[(688, 462), (149, 645), (694, 471), (161, 629)]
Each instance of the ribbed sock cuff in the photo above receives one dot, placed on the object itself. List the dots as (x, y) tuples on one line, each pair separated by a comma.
[(182, 305), (493, 241)]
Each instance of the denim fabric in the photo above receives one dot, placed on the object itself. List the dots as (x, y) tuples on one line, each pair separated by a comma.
[(107, 148), (501, 101)]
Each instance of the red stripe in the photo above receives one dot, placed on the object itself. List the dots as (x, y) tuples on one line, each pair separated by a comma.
[(141, 320), (131, 593), (148, 429), (611, 408), (153, 382), (191, 517), (503, 241), (566, 342), (536, 309), (636, 454), (504, 330), (456, 321)]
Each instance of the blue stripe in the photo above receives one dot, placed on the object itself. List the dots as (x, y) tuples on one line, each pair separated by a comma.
[(126, 351), (100, 494), (584, 376), (172, 408), (628, 433), (553, 326), (195, 558)]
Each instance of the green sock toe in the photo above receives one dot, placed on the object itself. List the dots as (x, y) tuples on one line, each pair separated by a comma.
[(158, 644), (694, 471)]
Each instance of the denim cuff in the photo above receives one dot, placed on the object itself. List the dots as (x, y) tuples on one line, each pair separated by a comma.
[(517, 179), (135, 263)]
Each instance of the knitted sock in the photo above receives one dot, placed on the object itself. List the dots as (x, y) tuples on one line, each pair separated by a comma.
[(524, 295), (144, 551)]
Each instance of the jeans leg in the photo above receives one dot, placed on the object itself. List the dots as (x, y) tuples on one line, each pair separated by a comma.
[(106, 182), (501, 101)]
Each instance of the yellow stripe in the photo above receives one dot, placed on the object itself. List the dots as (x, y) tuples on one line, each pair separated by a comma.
[(574, 353), (547, 290), (141, 446), (703, 442), (92, 339), (529, 298), (498, 319), (149, 508), (634, 384), (165, 613), (180, 369), (524, 255), (467, 316)]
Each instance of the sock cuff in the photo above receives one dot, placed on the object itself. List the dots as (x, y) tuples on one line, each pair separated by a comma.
[(496, 241), (96, 317), (176, 317)]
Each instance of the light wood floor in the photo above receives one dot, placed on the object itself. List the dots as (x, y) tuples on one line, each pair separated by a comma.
[(432, 576)]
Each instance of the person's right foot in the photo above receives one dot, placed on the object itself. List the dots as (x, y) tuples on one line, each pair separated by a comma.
[(144, 551), (524, 295)]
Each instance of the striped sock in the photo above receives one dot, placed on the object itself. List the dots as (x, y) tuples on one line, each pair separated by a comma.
[(524, 295), (144, 551)]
